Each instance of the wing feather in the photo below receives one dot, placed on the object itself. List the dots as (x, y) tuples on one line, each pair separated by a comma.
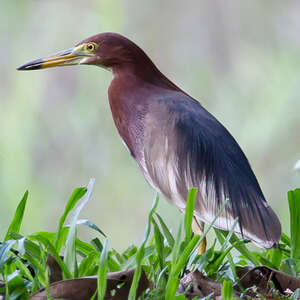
[(202, 153)]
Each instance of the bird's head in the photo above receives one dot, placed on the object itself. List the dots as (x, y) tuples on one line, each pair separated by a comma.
[(105, 50)]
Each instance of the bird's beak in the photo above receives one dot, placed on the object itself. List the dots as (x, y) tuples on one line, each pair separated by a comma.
[(72, 56)]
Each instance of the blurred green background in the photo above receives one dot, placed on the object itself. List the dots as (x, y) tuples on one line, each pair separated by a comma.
[(240, 59)]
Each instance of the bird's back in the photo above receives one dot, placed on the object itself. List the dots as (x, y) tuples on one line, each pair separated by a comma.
[(184, 147)]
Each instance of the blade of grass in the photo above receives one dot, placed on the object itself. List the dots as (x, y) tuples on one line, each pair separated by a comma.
[(294, 205), (90, 225), (102, 272), (189, 213), (70, 249), (75, 197), (96, 243), (229, 235), (285, 239), (51, 249), (4, 251), (226, 290), (173, 280), (113, 265), (30, 247), (23, 269), (211, 224), (276, 258), (230, 259), (185, 255), (159, 244), (166, 231), (87, 263), (140, 254), (16, 222), (83, 248), (241, 248)]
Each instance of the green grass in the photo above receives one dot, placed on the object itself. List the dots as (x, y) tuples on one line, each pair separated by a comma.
[(164, 257)]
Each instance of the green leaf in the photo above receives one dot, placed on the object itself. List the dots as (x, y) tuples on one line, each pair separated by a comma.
[(229, 235), (140, 254), (70, 249), (87, 264), (90, 225), (31, 248), (203, 260), (276, 258), (159, 244), (97, 244), (102, 272), (226, 290), (215, 265), (294, 205), (185, 255), (230, 259), (51, 249), (166, 231), (16, 286), (211, 224), (285, 239), (23, 269), (4, 251), (75, 197), (113, 265), (83, 248), (189, 213), (173, 280), (235, 241), (15, 224)]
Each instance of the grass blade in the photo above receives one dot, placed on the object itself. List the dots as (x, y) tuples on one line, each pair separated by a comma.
[(102, 272), (165, 230), (238, 245), (173, 280), (75, 197), (16, 222), (159, 244), (140, 254), (70, 250), (227, 290), (51, 249), (4, 251), (189, 213), (185, 255), (90, 225), (294, 205)]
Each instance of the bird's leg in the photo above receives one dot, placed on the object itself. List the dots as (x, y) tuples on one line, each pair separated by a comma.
[(198, 228)]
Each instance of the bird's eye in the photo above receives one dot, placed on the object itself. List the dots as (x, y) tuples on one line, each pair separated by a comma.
[(90, 47)]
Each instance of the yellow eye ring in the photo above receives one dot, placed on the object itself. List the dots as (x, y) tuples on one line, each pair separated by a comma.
[(90, 47)]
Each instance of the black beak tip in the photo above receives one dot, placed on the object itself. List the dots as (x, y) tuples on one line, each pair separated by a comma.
[(27, 67), (21, 68), (34, 65)]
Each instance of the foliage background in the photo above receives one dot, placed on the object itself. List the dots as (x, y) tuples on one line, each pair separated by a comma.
[(240, 59)]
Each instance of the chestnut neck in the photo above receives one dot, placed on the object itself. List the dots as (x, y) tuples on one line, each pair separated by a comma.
[(143, 69)]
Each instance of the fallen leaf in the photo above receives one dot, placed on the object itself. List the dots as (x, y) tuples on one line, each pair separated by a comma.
[(118, 286)]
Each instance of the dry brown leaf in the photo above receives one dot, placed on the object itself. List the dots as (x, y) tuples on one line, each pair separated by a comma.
[(261, 278), (118, 286), (195, 284)]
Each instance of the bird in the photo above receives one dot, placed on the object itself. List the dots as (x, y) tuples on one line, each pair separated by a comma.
[(176, 142)]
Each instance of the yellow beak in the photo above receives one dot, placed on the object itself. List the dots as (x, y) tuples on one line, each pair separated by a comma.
[(72, 56)]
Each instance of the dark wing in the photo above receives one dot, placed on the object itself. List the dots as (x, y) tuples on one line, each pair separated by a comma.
[(208, 157)]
